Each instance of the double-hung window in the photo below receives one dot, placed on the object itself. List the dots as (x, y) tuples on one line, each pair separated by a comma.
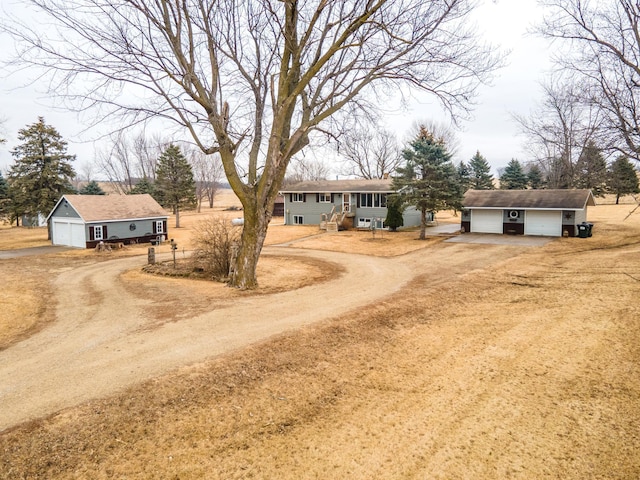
[(159, 226), (297, 197), (324, 198)]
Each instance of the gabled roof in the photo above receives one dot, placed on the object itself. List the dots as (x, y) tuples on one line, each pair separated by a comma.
[(340, 186), (529, 199), (104, 208)]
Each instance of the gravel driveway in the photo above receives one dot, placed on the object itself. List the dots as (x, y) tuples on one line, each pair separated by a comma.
[(98, 344)]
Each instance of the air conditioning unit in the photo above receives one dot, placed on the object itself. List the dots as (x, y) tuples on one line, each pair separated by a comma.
[(514, 214)]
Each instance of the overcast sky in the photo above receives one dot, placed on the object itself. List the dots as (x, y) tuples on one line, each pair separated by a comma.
[(515, 89)]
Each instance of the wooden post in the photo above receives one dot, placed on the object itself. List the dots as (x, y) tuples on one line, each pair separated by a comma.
[(151, 256)]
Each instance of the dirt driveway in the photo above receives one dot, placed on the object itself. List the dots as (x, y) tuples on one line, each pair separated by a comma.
[(101, 343)]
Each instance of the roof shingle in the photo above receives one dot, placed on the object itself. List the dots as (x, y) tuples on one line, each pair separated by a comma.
[(528, 199), (95, 208)]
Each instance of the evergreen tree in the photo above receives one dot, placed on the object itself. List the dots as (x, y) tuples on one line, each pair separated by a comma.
[(5, 199), (145, 186), (513, 177), (429, 180), (42, 171), (591, 170), (464, 176), (92, 188), (534, 177), (623, 178), (481, 178), (395, 209), (174, 181)]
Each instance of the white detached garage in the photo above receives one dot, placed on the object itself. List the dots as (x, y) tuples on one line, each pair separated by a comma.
[(526, 212)]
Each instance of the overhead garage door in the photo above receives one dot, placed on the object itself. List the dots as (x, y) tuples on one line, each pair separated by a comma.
[(486, 221), (543, 223), (68, 233)]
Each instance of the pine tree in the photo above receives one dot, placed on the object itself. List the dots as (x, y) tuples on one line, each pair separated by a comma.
[(145, 186), (464, 176), (481, 178), (174, 181), (394, 218), (5, 199), (429, 180), (92, 188), (42, 171), (591, 170), (623, 178), (534, 177), (513, 177)]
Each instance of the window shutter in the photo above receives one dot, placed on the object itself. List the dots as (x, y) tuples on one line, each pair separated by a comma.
[(164, 226), (358, 200), (290, 197), (317, 198), (104, 232), (304, 197), (155, 226), (92, 235)]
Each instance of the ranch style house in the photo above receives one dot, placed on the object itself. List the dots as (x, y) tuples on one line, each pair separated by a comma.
[(84, 221), (341, 204), (526, 212)]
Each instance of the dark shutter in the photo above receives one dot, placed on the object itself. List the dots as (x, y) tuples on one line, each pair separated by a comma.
[(291, 198), (358, 200), (105, 235), (317, 198), (155, 226), (304, 197), (164, 226), (332, 198), (92, 235)]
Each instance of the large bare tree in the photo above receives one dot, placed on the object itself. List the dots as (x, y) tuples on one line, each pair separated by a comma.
[(559, 129), (207, 173), (370, 152), (254, 79), (600, 42)]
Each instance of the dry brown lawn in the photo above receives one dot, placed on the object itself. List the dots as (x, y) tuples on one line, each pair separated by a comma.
[(526, 369)]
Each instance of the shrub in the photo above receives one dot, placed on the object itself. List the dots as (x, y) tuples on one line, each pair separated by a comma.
[(214, 242)]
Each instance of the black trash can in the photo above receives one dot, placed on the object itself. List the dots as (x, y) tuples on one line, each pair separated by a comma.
[(589, 228), (583, 230)]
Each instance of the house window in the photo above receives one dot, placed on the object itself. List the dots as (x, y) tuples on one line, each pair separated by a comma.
[(324, 198), (364, 222), (298, 220), (159, 226), (297, 197), (373, 200), (98, 233)]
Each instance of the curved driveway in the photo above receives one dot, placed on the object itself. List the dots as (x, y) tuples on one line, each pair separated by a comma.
[(96, 346)]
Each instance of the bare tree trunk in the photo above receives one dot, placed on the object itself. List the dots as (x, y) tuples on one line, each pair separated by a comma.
[(177, 212), (254, 232), (423, 223)]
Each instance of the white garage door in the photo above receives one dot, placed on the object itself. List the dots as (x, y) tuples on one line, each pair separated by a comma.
[(486, 221), (68, 233), (543, 223)]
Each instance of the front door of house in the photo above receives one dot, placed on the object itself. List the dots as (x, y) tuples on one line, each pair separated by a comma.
[(346, 202)]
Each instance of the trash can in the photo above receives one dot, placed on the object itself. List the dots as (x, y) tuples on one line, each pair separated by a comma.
[(583, 230), (589, 228)]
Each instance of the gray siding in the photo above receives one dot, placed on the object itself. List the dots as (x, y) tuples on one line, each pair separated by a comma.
[(64, 210), (122, 230), (310, 209)]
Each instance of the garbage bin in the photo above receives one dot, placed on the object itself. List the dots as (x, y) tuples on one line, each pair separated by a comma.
[(589, 228), (583, 230)]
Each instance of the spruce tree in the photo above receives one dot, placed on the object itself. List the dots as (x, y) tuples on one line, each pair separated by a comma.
[(513, 177), (394, 218), (174, 181), (591, 170), (145, 186), (42, 171), (534, 177), (5, 199), (92, 188), (481, 178), (622, 178), (464, 176), (429, 180)]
